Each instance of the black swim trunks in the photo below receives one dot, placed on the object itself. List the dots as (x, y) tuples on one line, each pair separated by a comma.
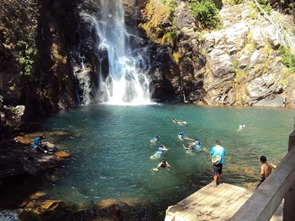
[(217, 169)]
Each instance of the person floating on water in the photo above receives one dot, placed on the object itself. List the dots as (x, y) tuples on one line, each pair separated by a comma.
[(242, 126), (155, 139), (163, 164), (39, 145), (181, 136), (179, 122), (265, 169), (161, 149), (196, 145)]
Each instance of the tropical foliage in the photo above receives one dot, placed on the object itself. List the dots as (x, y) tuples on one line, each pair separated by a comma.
[(18, 24), (205, 12), (288, 59)]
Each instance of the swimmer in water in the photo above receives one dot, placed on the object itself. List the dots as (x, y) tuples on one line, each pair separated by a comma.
[(242, 126), (196, 145), (179, 122), (161, 149), (181, 136), (154, 139), (163, 164)]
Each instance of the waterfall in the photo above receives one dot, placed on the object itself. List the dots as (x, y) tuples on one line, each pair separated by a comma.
[(125, 80), (83, 77)]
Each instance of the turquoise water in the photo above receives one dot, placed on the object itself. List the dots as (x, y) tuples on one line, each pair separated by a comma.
[(110, 151)]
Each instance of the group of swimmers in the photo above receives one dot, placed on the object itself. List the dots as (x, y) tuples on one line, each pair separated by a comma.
[(191, 147)]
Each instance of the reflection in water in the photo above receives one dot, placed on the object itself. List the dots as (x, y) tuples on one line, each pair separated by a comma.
[(111, 149)]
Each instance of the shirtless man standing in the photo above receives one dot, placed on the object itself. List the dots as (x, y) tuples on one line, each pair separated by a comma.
[(265, 169)]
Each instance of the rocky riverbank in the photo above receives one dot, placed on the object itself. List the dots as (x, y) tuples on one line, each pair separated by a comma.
[(23, 170)]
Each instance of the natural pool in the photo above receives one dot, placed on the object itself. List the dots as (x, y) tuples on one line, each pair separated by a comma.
[(111, 149)]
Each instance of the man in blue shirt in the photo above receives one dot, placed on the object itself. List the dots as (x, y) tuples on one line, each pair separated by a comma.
[(38, 144), (217, 152)]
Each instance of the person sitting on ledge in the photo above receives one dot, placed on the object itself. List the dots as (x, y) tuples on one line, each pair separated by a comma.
[(39, 145)]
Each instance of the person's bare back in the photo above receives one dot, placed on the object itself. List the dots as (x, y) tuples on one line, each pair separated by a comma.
[(266, 169)]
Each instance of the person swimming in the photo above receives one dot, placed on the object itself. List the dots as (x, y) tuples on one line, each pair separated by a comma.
[(196, 145), (154, 139), (181, 136), (161, 149), (242, 126), (163, 164), (179, 122)]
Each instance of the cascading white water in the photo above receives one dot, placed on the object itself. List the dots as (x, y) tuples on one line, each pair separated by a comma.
[(126, 81), (83, 77)]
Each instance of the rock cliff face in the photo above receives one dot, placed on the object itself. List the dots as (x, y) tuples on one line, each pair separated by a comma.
[(35, 58), (237, 64), (243, 64)]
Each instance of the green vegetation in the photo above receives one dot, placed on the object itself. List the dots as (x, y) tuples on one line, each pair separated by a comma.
[(205, 12), (239, 74), (169, 38), (253, 9), (170, 3), (233, 2), (288, 7), (26, 58), (57, 57), (18, 25), (158, 15), (288, 59), (265, 5)]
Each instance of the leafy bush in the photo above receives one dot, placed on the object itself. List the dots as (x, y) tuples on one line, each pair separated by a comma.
[(169, 38), (265, 5), (18, 28), (171, 3), (288, 59), (205, 12), (234, 2)]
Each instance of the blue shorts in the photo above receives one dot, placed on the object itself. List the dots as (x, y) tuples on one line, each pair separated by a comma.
[(217, 169)]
